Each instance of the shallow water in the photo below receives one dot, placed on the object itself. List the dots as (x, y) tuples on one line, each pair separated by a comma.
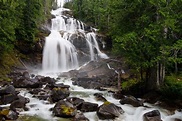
[(42, 108)]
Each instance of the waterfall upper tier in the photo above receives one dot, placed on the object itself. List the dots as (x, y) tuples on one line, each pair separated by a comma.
[(69, 45)]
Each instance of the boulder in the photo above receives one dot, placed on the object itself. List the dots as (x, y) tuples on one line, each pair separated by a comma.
[(26, 75), (19, 103), (176, 119), (47, 81), (41, 94), (80, 117), (75, 101), (12, 115), (6, 114), (9, 98), (132, 101), (99, 97), (109, 111), (88, 107), (7, 94), (152, 116), (7, 89), (36, 91), (64, 109), (26, 83), (59, 93), (68, 13), (89, 83), (118, 95)]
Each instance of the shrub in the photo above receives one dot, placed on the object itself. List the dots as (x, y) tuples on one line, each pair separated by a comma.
[(172, 87)]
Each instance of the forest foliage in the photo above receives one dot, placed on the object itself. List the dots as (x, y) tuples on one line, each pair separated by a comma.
[(20, 20), (148, 33)]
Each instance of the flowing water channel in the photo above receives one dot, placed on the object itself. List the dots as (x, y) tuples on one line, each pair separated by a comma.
[(61, 54), (42, 108)]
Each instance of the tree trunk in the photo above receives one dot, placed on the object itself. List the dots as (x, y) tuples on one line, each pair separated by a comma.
[(151, 79), (175, 63), (155, 77)]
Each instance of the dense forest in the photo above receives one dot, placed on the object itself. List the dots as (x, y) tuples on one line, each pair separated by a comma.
[(20, 22), (147, 33)]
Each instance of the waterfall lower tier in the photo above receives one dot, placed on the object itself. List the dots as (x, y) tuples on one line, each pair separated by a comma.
[(59, 54)]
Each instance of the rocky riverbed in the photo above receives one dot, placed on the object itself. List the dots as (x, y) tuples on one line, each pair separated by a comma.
[(64, 101)]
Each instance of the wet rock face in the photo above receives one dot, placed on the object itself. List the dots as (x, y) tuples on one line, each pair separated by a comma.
[(152, 116), (132, 101), (118, 95), (64, 109), (109, 111), (88, 107), (47, 80), (19, 103), (75, 101), (94, 75), (89, 83), (26, 75), (79, 42), (26, 83), (80, 117), (41, 94), (99, 97), (7, 94), (60, 92), (7, 89)]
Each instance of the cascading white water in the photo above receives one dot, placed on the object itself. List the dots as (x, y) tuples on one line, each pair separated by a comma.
[(59, 53), (42, 108), (94, 47)]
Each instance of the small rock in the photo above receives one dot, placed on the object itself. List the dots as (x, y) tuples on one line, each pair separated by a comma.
[(152, 116)]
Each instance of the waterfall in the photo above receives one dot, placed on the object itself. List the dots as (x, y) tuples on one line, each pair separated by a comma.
[(61, 49)]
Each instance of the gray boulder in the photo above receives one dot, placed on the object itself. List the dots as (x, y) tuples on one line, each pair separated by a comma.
[(64, 109), (109, 111), (132, 101), (152, 116)]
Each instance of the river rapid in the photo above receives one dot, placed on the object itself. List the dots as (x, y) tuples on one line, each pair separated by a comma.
[(42, 108)]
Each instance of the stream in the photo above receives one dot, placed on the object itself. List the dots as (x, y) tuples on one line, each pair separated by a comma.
[(41, 108), (68, 47)]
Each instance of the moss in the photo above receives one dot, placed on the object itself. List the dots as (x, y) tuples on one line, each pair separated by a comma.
[(4, 112), (8, 60), (37, 118), (67, 110), (31, 118), (107, 103), (127, 84)]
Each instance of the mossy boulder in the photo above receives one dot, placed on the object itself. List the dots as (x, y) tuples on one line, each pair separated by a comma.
[(109, 111), (6, 114), (64, 109), (59, 93)]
